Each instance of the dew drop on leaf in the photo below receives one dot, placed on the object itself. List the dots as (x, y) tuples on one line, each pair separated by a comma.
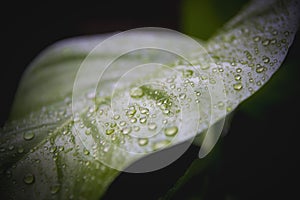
[(171, 131), (188, 73), (136, 128), (182, 96), (11, 147), (237, 86), (88, 132), (143, 141), (237, 77), (144, 110), (28, 178), (109, 131), (256, 38), (238, 70), (116, 117), (143, 120), (130, 113), (126, 130), (265, 42), (28, 135), (259, 68), (86, 152), (53, 149), (133, 120), (136, 92), (122, 123), (266, 59), (152, 126), (20, 150)]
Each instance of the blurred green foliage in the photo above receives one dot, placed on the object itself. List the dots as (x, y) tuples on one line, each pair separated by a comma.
[(202, 18)]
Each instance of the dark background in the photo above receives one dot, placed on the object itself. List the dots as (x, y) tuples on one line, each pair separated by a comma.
[(257, 159)]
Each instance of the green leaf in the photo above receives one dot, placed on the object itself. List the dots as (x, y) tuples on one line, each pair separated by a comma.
[(63, 133)]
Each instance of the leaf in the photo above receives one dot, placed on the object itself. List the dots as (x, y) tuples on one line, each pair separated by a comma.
[(65, 130)]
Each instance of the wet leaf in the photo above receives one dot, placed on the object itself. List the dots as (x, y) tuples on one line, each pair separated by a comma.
[(61, 131)]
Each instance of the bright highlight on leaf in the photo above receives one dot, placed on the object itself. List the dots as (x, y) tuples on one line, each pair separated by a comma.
[(67, 125)]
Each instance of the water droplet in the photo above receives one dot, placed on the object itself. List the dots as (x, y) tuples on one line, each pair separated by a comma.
[(126, 130), (273, 41), (131, 113), (182, 96), (237, 86), (221, 69), (11, 147), (29, 178), (116, 117), (88, 131), (228, 109), (171, 131), (237, 77), (258, 83), (133, 120), (106, 149), (256, 38), (286, 33), (238, 70), (136, 128), (143, 120), (136, 92), (28, 135), (20, 150), (250, 89), (283, 41), (86, 152), (248, 54), (275, 32), (53, 149), (122, 123), (163, 106), (188, 73), (221, 105), (109, 131), (265, 42), (266, 59), (166, 112), (143, 141), (144, 110), (152, 126), (113, 124), (259, 68)]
